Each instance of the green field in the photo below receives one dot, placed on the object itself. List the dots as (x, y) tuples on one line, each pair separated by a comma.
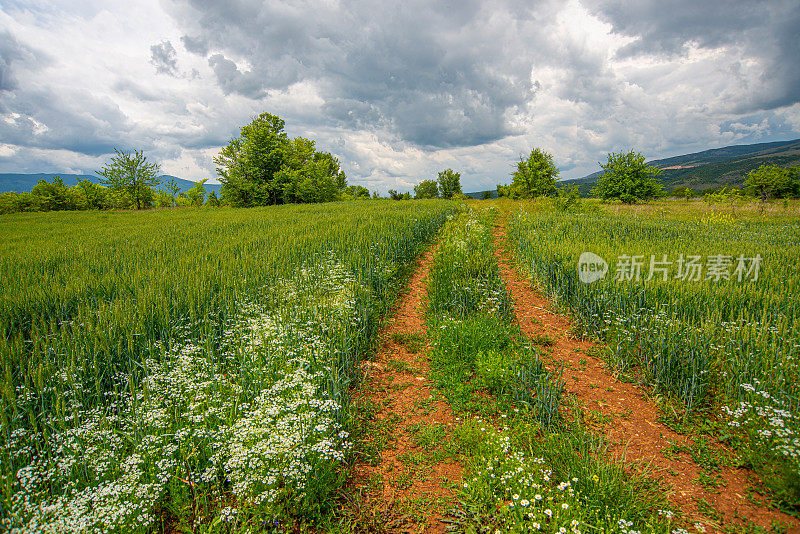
[(193, 370), (167, 369), (717, 343)]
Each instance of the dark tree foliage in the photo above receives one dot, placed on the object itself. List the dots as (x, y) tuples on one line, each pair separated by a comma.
[(263, 166), (449, 183), (628, 178), (426, 189)]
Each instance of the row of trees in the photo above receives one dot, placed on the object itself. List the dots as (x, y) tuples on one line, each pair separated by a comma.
[(625, 176), (88, 195), (628, 178), (263, 166)]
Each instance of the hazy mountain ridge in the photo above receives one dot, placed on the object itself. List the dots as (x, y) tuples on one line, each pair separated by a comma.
[(24, 182)]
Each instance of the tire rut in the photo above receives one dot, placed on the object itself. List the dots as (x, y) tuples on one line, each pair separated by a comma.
[(403, 495)]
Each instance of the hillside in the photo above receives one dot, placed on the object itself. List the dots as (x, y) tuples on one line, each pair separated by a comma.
[(25, 182), (715, 168)]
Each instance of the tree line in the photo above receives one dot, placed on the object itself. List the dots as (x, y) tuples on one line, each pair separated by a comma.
[(627, 177), (55, 195), (264, 166)]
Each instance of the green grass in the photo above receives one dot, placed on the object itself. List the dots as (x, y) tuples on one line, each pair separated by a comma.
[(167, 369), (526, 466), (715, 349), (412, 341)]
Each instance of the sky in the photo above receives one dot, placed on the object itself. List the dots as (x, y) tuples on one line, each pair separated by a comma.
[(396, 90)]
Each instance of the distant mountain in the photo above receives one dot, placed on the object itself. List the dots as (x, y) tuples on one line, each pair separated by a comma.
[(25, 182), (479, 194), (715, 168)]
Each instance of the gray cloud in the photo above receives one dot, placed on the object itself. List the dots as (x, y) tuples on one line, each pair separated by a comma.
[(164, 57), (232, 80), (438, 76), (765, 32), (195, 45), (9, 51)]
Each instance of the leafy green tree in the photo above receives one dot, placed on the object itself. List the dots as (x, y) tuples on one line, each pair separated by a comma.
[(486, 195), (536, 175), (212, 201), (94, 194), (357, 192), (394, 195), (449, 183), (131, 173), (426, 189), (163, 199), (53, 196), (197, 194), (308, 175), (263, 166), (770, 181), (247, 164), (628, 178)]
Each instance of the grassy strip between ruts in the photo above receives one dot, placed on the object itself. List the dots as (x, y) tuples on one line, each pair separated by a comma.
[(527, 466)]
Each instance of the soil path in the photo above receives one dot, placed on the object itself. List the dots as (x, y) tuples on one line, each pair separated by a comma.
[(631, 422), (409, 489)]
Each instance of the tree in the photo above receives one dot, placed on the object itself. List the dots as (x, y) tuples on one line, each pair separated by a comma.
[(212, 201), (426, 189), (308, 175), (131, 173), (568, 199), (449, 183), (487, 195), (628, 178), (94, 194), (683, 192), (536, 175), (770, 181), (394, 195), (53, 196), (357, 192), (197, 194), (248, 163), (263, 166)]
